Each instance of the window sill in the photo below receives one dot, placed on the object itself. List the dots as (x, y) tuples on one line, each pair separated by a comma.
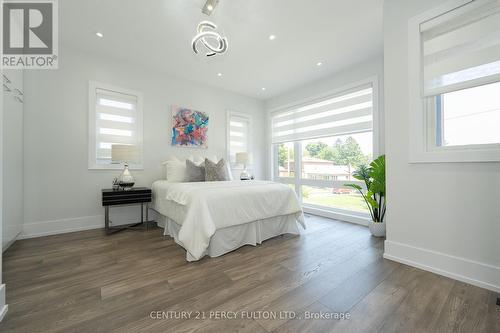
[(341, 215)]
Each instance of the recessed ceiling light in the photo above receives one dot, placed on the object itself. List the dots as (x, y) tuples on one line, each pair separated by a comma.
[(210, 7), (272, 37), (219, 74), (319, 63), (99, 34), (263, 89)]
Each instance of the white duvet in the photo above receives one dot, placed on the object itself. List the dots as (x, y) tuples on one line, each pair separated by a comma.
[(216, 205)]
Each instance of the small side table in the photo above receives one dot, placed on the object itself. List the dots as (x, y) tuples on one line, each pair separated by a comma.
[(136, 195)]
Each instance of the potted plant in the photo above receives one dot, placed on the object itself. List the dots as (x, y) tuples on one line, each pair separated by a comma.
[(374, 178)]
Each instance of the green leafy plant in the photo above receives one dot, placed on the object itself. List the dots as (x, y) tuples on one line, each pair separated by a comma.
[(374, 178)]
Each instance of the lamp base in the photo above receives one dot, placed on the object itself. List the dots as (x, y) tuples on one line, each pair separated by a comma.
[(245, 175), (126, 181), (126, 186)]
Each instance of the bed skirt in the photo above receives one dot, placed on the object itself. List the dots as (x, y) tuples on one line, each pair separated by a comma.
[(229, 239)]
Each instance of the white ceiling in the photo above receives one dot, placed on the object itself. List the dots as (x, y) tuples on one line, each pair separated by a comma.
[(158, 33)]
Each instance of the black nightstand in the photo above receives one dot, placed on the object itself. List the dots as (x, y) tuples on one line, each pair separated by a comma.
[(134, 196)]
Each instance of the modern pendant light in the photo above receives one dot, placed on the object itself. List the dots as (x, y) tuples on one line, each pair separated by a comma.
[(211, 41)]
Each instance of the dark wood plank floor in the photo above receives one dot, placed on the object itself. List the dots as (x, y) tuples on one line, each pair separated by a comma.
[(89, 282)]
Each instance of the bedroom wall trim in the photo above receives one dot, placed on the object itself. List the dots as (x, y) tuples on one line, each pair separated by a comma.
[(469, 271), (3, 307), (62, 226), (54, 227), (8, 244)]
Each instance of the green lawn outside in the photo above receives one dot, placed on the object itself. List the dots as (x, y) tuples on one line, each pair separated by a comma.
[(325, 197)]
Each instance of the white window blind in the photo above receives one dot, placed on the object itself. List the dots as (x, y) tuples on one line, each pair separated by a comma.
[(461, 48), (239, 132), (116, 118), (349, 112)]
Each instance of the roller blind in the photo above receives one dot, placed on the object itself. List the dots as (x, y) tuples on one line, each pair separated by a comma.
[(346, 113), (461, 48), (239, 128), (116, 122)]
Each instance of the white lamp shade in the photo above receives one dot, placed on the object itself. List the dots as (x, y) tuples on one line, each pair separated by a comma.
[(124, 153), (243, 158)]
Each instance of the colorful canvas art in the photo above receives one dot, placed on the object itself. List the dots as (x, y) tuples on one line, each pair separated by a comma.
[(189, 128)]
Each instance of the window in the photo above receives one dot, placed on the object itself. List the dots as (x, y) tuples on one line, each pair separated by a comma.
[(468, 117), (285, 159), (455, 65), (115, 117), (334, 158), (318, 145), (334, 198), (238, 128)]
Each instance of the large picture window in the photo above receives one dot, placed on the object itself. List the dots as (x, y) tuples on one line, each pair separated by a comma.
[(317, 146)]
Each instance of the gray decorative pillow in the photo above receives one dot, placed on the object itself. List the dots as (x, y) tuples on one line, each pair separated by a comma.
[(195, 173), (216, 172)]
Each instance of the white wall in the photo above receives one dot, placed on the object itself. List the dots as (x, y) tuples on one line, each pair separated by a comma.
[(441, 217), (3, 307), (12, 133), (60, 192), (347, 76)]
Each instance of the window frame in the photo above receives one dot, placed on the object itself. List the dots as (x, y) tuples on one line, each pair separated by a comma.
[(298, 181), (247, 117), (422, 122), (92, 161)]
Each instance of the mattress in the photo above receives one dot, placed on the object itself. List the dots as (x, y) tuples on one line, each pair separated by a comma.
[(195, 212)]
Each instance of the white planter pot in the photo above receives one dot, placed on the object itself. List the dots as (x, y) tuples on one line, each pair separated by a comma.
[(377, 228)]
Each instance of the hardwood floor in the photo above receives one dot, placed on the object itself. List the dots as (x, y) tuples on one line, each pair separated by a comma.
[(89, 282)]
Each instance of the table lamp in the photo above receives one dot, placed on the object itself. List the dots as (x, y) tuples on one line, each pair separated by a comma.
[(125, 154), (243, 158)]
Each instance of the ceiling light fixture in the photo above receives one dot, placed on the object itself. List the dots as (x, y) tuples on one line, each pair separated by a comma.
[(219, 74), (212, 41), (319, 64), (99, 34), (272, 37), (209, 7), (205, 33), (263, 89)]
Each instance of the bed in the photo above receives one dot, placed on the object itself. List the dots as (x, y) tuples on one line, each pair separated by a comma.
[(214, 218)]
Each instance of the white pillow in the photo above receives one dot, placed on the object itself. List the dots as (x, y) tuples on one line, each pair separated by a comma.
[(175, 171), (229, 171)]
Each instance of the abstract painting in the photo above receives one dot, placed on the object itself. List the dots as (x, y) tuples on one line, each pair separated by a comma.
[(189, 128)]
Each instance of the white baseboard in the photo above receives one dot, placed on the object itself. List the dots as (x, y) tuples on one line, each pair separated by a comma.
[(47, 228), (3, 307), (8, 244), (469, 271), (120, 215)]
